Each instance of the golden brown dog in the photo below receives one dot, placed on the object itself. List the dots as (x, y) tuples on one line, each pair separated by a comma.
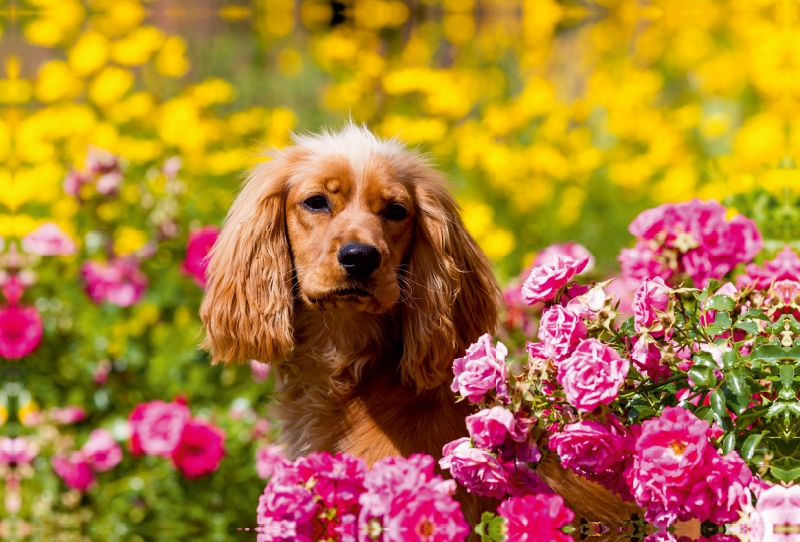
[(344, 262)]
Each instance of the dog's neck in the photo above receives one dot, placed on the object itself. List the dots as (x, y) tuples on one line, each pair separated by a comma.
[(333, 352)]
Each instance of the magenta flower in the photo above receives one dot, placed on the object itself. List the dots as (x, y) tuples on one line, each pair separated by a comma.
[(156, 427), (200, 449), (576, 251), (650, 298), (592, 375), (718, 493), (523, 480), (120, 282), (587, 447), (535, 518), (673, 444), (20, 331), (785, 266), (425, 515), (197, 253), (639, 263), (67, 415), (101, 451), (545, 281), (49, 240), (647, 358), (477, 470), (560, 331), (286, 509), (481, 370), (74, 469), (338, 479), (74, 181), (259, 372), (14, 451), (490, 427), (267, 458)]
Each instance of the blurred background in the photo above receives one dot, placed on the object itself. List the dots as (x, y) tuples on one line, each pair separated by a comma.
[(555, 121)]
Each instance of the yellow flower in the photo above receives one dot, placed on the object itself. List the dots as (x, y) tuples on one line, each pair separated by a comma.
[(89, 53), (129, 240), (55, 81), (110, 85), (137, 47), (213, 91), (26, 411), (171, 60)]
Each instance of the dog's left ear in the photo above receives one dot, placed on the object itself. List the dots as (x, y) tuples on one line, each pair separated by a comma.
[(452, 294)]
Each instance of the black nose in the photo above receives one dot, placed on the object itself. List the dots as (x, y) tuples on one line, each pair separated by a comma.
[(359, 260)]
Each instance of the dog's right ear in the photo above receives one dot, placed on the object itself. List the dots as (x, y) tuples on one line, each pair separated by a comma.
[(249, 303)]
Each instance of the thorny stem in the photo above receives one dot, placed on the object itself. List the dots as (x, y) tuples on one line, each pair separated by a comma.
[(650, 387)]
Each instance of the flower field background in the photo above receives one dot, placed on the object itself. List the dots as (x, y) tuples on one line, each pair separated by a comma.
[(128, 125)]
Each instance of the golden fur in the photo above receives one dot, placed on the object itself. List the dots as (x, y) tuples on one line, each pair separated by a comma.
[(368, 375)]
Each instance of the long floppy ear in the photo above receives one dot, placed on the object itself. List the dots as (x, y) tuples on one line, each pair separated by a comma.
[(249, 304), (453, 295)]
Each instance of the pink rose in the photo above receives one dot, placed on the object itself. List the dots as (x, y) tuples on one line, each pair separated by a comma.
[(14, 451), (576, 251), (545, 281), (639, 263), (673, 443), (587, 447), (785, 266), (101, 451), (200, 449), (74, 470), (285, 510), (490, 427), (425, 515), (592, 375), (267, 458), (481, 370), (475, 469), (48, 240), (67, 415), (156, 427), (20, 331), (746, 239), (776, 506), (651, 297), (718, 493), (647, 358), (259, 372), (197, 252), (560, 331), (120, 282), (338, 479), (536, 518), (73, 181), (523, 480)]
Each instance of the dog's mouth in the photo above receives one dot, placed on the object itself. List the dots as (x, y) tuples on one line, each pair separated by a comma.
[(353, 291)]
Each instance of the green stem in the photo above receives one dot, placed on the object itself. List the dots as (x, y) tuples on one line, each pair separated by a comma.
[(674, 378)]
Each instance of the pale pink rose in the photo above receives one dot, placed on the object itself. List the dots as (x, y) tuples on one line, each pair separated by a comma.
[(536, 518), (624, 295), (267, 457), (592, 375), (197, 253), (481, 370), (20, 331), (576, 251), (49, 240), (99, 161), (67, 415), (787, 291), (560, 332), (156, 427), (102, 451), (776, 506), (639, 263), (649, 299), (74, 469), (647, 358), (490, 427), (14, 451), (673, 443), (259, 372), (108, 183), (545, 281), (120, 281), (101, 372), (199, 450), (73, 181), (171, 167), (587, 447), (475, 469)]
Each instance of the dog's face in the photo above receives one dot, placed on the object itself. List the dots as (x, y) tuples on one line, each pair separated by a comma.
[(350, 229), (348, 222)]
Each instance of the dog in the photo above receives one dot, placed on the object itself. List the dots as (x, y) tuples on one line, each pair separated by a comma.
[(344, 263)]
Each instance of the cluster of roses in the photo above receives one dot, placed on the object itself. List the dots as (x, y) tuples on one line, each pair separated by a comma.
[(692, 238), (324, 496), (195, 446), (100, 453)]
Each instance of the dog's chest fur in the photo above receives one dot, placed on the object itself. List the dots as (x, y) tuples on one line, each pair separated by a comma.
[(342, 391)]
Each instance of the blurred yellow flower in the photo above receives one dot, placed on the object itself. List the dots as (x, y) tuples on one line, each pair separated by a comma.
[(128, 240), (213, 91), (137, 47), (89, 53), (56, 81), (171, 60)]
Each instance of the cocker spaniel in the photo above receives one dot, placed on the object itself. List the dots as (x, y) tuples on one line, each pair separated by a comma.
[(344, 262)]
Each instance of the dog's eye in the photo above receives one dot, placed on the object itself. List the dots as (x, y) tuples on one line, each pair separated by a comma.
[(316, 203), (395, 212)]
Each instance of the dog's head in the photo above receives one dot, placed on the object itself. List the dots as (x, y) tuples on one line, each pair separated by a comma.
[(347, 222)]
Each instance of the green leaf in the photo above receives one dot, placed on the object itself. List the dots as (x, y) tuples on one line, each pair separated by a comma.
[(758, 314), (720, 303), (702, 296), (729, 359), (737, 383), (627, 328), (717, 399), (786, 469), (705, 359), (728, 443), (750, 327), (703, 376), (723, 320), (770, 353), (750, 445)]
